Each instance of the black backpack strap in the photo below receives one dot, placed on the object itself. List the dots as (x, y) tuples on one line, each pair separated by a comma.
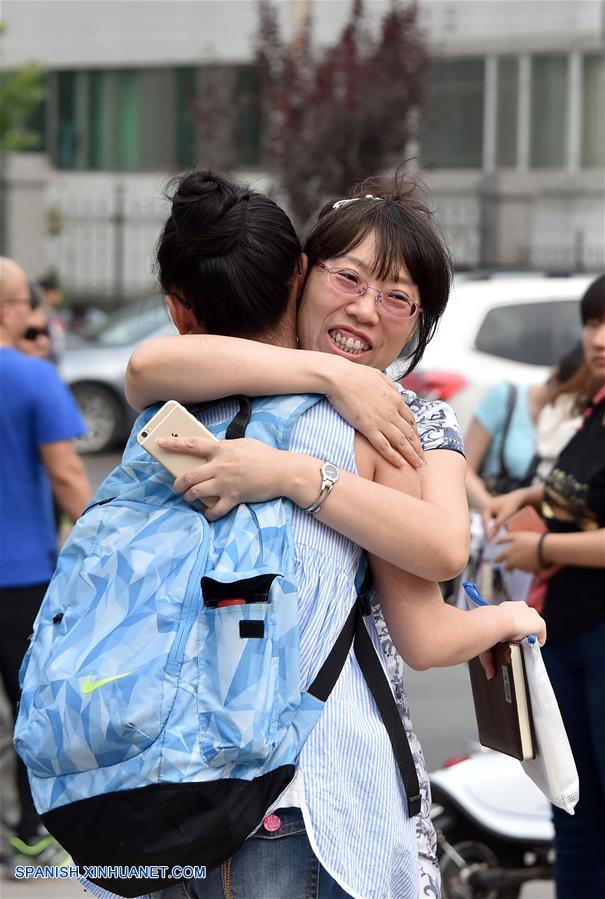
[(380, 689), (354, 631), (510, 408), (329, 672), (237, 427)]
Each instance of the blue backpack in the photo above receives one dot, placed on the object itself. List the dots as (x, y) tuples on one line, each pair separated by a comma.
[(159, 719)]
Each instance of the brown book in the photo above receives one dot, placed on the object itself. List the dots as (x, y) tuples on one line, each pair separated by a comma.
[(502, 706)]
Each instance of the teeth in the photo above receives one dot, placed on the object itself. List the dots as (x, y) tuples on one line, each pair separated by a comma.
[(352, 344)]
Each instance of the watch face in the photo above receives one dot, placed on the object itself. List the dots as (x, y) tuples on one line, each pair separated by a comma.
[(330, 472)]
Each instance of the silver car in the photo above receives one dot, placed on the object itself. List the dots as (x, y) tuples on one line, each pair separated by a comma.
[(95, 370)]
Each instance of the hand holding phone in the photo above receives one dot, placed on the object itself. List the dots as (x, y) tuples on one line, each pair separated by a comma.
[(173, 420)]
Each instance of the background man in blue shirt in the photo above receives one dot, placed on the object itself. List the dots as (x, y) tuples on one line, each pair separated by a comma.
[(38, 420)]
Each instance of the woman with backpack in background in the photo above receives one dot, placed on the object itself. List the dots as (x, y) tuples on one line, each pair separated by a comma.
[(386, 239)]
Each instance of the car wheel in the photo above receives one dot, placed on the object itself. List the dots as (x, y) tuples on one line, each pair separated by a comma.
[(103, 414)]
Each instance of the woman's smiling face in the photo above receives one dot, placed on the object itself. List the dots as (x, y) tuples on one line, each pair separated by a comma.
[(355, 327)]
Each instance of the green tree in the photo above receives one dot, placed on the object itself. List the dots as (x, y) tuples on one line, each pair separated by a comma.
[(21, 93)]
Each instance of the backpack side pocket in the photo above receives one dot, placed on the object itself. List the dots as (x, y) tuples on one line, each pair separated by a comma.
[(238, 662)]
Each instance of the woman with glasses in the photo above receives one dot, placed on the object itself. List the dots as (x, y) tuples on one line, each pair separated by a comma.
[(376, 275), (358, 308)]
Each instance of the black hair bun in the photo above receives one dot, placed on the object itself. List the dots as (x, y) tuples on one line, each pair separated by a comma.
[(209, 212)]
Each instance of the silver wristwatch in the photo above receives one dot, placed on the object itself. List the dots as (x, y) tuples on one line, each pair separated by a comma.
[(329, 475)]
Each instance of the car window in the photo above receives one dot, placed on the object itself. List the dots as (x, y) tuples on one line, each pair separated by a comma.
[(132, 324), (535, 333)]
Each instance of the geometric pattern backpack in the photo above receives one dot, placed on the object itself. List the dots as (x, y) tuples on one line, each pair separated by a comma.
[(157, 721)]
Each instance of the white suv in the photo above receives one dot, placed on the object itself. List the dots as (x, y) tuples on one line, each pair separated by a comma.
[(499, 328)]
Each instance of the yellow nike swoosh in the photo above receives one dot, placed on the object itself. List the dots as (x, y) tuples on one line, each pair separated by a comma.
[(89, 685)]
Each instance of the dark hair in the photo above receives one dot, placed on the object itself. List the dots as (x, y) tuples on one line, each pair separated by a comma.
[(49, 282), (571, 375), (569, 363), (35, 294), (592, 305), (406, 234), (229, 253)]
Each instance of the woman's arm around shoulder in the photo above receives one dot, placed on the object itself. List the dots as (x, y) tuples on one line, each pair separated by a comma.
[(194, 368)]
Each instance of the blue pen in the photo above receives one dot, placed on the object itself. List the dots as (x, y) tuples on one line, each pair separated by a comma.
[(472, 592)]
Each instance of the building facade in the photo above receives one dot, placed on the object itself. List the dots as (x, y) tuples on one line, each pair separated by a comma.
[(513, 149)]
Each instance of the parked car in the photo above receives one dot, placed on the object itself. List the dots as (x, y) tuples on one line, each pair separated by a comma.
[(499, 328), (95, 368)]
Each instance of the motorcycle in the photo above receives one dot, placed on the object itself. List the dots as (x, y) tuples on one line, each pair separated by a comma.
[(494, 828)]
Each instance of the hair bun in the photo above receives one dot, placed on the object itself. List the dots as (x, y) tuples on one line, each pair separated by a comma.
[(208, 212)]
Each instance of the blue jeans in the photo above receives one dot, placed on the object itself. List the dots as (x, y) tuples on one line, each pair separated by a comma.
[(577, 673), (278, 865)]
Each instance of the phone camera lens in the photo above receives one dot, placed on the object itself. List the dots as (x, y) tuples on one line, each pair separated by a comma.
[(144, 434)]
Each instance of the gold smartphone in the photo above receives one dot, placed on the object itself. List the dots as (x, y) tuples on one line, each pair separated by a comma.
[(173, 420)]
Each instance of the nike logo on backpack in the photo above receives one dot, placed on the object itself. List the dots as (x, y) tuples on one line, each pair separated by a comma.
[(89, 685)]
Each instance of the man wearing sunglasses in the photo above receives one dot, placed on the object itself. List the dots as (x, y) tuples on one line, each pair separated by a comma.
[(35, 340), (38, 420)]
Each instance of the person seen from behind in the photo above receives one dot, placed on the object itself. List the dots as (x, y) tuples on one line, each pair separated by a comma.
[(342, 260)]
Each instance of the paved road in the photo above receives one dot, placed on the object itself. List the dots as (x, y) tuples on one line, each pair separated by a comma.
[(443, 717)]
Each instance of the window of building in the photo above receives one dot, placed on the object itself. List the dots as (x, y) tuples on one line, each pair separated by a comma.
[(593, 117), (127, 111), (523, 332), (66, 137), (453, 133), (548, 111), (507, 109), (186, 137), (100, 126), (143, 119)]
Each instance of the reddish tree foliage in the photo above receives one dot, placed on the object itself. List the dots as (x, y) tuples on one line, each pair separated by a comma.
[(343, 113), (328, 116)]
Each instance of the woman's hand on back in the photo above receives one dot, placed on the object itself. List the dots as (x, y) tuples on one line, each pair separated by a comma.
[(242, 471), (235, 471), (372, 404)]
